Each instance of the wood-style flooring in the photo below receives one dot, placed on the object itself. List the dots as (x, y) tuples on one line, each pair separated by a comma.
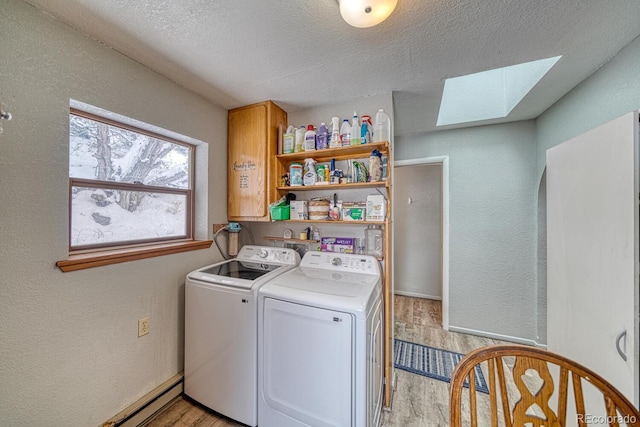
[(418, 401)]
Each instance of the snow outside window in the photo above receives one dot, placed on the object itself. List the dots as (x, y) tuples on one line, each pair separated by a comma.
[(126, 185)]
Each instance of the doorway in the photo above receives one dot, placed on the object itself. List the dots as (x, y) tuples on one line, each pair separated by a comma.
[(421, 230)]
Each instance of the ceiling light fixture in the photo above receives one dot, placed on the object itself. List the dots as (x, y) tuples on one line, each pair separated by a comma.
[(366, 13)]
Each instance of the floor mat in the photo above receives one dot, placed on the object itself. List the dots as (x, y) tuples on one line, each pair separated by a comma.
[(432, 362)]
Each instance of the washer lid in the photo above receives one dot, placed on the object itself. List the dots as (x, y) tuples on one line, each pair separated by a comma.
[(254, 264), (240, 270), (334, 290)]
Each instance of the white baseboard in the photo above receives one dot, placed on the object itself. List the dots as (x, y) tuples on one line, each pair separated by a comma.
[(417, 295), (144, 408), (500, 337)]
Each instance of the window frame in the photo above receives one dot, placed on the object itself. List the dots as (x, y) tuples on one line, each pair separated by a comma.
[(94, 183)]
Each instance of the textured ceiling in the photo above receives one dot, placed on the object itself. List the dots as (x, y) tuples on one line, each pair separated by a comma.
[(301, 54)]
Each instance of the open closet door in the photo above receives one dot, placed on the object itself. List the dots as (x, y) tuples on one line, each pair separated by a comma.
[(592, 251)]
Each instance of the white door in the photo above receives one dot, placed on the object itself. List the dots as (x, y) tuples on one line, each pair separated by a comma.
[(418, 230), (592, 251), (307, 366)]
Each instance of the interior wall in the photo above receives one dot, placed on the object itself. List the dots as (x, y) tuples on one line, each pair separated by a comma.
[(609, 93), (418, 236), (70, 354), (492, 283)]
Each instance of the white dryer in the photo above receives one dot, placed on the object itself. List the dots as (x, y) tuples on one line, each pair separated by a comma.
[(320, 344), (221, 355)]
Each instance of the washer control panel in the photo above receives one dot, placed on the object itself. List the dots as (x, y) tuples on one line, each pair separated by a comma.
[(341, 262), (268, 255)]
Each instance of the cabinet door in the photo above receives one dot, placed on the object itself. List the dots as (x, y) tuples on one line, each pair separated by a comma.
[(592, 251), (247, 162)]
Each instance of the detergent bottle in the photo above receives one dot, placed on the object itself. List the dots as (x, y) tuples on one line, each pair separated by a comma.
[(321, 137), (355, 131), (345, 133), (310, 139)]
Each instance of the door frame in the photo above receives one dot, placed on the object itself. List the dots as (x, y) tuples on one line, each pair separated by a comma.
[(444, 161)]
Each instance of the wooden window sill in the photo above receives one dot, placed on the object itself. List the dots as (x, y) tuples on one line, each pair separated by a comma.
[(116, 256)]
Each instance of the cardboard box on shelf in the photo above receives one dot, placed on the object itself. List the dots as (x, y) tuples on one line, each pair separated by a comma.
[(299, 209), (343, 245), (353, 211), (376, 207)]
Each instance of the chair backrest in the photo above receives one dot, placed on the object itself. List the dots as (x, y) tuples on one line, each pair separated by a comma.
[(521, 385)]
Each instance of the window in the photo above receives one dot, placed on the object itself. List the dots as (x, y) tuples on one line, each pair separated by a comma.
[(127, 185)]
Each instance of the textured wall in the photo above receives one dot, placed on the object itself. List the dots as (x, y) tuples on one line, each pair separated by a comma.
[(609, 93), (492, 287), (418, 230), (508, 277), (70, 355)]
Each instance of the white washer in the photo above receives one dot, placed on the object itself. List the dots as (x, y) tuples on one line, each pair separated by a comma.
[(220, 360), (320, 336)]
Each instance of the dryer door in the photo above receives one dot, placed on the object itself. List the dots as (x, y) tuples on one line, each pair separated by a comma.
[(307, 366)]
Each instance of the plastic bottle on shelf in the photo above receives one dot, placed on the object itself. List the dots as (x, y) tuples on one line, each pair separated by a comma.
[(310, 139), (310, 176), (385, 161), (299, 143), (365, 129), (375, 166), (288, 140), (345, 133), (373, 240), (382, 127), (355, 131), (350, 171), (321, 137), (295, 174), (334, 141), (320, 175)]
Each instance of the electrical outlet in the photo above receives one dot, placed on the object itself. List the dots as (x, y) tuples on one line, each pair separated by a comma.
[(143, 326)]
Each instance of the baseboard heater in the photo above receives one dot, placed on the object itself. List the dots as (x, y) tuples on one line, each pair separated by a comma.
[(145, 407)]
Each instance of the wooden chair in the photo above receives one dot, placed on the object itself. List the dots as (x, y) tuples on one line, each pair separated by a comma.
[(518, 396)]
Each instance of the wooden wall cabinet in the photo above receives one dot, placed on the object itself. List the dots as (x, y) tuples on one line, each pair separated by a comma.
[(252, 145)]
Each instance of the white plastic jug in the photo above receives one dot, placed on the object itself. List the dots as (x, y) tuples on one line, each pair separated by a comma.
[(382, 127)]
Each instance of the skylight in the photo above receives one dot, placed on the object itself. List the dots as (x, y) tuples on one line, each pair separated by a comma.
[(490, 94)]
